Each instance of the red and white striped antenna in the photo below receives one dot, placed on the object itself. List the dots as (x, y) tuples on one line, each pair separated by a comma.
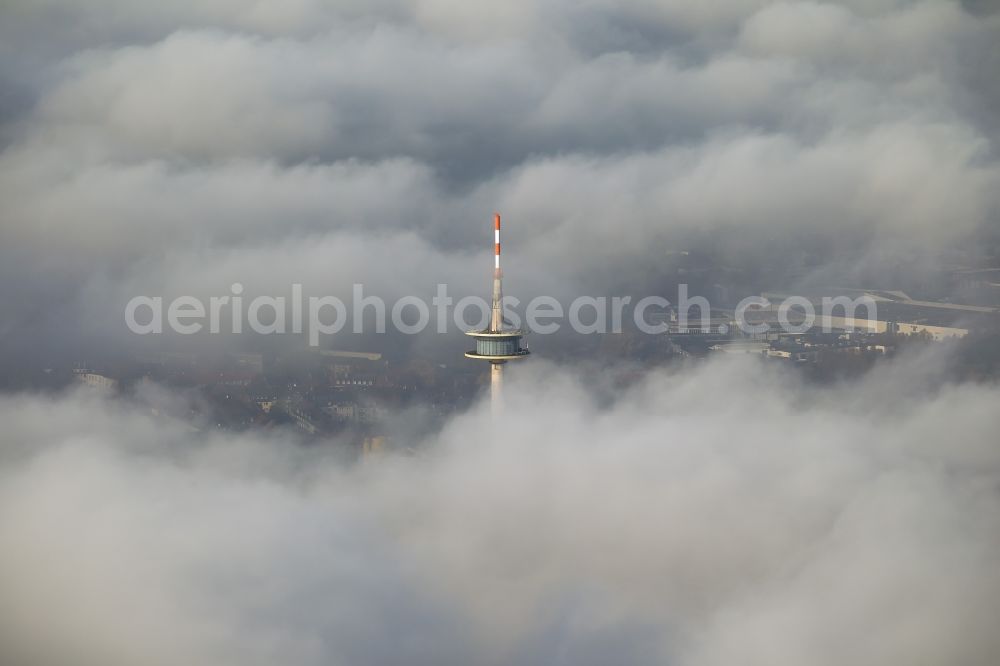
[(496, 238), (496, 315)]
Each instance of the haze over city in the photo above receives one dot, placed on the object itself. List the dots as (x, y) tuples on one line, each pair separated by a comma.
[(271, 392)]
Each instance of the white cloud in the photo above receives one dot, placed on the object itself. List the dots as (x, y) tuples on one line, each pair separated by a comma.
[(726, 513)]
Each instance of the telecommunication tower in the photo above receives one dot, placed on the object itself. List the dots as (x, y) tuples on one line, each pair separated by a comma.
[(499, 342)]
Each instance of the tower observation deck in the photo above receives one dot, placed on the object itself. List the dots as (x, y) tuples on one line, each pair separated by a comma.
[(499, 342)]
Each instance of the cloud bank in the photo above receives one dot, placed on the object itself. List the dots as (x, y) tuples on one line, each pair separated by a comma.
[(723, 514)]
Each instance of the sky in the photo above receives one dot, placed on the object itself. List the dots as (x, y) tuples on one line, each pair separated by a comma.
[(177, 149), (703, 516)]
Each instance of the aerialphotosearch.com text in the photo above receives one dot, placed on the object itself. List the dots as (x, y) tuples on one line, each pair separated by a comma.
[(318, 316)]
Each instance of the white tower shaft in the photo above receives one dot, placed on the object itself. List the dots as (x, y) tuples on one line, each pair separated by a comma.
[(496, 388)]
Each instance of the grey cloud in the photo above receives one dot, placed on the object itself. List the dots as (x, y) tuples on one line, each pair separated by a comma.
[(197, 131), (394, 90)]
